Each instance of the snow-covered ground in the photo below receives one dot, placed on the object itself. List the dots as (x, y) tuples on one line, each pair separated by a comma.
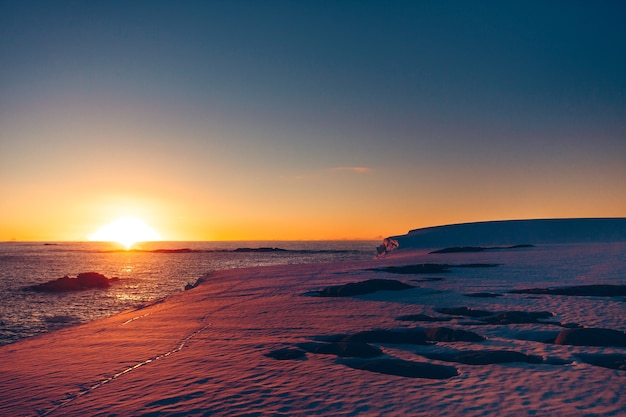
[(203, 351)]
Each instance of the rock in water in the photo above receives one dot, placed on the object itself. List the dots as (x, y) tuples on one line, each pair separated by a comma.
[(84, 281)]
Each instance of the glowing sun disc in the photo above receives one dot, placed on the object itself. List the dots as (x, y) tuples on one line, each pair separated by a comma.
[(126, 231)]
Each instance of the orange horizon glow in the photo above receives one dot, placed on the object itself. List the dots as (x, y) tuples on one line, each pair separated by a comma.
[(196, 227)]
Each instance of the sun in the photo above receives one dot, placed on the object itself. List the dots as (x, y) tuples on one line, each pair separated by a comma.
[(126, 231)]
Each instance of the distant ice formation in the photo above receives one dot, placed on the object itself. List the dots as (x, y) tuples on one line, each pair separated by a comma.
[(511, 232)]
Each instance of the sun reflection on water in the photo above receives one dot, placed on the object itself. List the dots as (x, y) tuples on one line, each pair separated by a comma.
[(129, 297)]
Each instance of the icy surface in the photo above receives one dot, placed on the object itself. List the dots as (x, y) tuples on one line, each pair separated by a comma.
[(203, 351)]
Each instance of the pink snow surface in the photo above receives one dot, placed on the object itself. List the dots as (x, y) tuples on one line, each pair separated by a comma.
[(201, 352)]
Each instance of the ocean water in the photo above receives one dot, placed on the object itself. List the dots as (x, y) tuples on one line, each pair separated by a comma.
[(148, 272)]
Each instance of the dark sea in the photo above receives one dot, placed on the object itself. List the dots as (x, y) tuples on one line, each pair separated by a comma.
[(148, 272)]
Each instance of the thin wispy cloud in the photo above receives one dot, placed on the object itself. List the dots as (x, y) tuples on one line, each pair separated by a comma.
[(357, 170)]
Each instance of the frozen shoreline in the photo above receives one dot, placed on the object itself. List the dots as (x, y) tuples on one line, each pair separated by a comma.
[(151, 272), (202, 352)]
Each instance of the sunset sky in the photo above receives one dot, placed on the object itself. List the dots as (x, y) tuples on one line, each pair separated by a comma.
[(308, 120)]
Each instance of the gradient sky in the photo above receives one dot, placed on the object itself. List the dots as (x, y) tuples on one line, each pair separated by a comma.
[(308, 119)]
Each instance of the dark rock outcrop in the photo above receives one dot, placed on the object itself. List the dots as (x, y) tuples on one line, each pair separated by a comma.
[(400, 336), (190, 286), (512, 317), (428, 279), (363, 287), (465, 249), (182, 250), (389, 245), (286, 354), (446, 334), (484, 357), (352, 349), (262, 250), (459, 249), (611, 361), (84, 281), (422, 317), (404, 336), (474, 265), (505, 317), (578, 290), (414, 269), (464, 311), (429, 268), (483, 295), (407, 369), (591, 337)]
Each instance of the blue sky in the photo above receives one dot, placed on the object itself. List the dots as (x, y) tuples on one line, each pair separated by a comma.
[(231, 119)]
